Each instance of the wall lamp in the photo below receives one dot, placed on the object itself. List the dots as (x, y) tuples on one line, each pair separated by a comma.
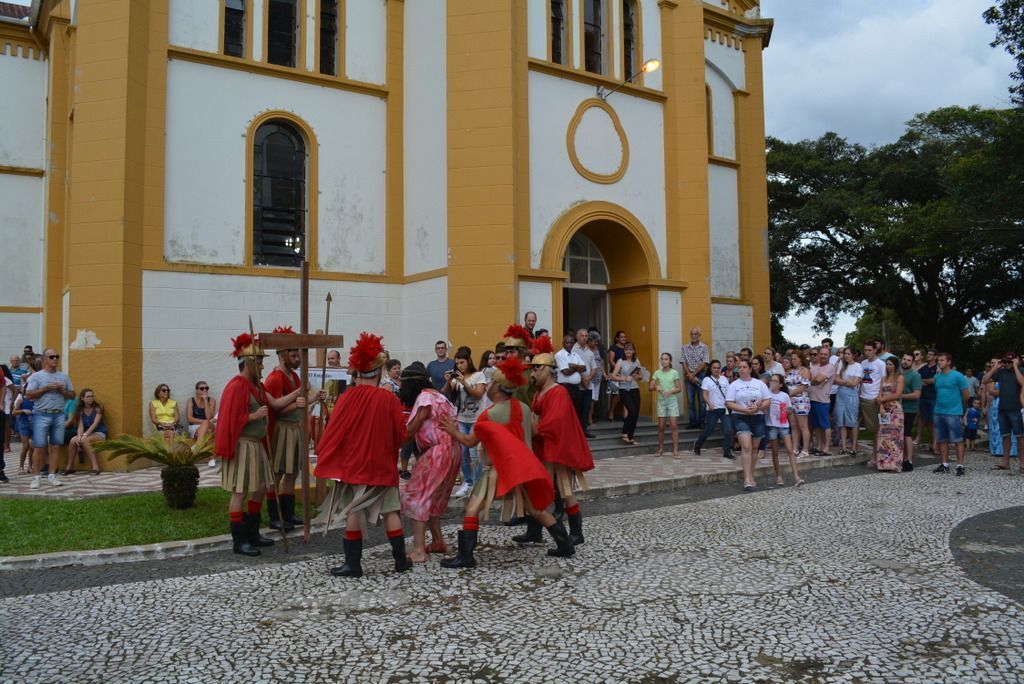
[(649, 66)]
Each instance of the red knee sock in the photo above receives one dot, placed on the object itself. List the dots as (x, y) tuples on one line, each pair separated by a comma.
[(235, 516), (353, 535), (572, 510), (470, 524), (397, 532), (271, 496), (254, 506)]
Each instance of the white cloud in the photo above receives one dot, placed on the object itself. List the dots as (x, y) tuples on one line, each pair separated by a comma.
[(863, 68)]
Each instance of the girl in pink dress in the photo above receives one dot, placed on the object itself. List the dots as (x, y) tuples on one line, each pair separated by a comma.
[(425, 497)]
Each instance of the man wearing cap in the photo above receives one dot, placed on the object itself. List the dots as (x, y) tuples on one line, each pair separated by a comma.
[(358, 449), (285, 436), (559, 442), (241, 440), (1007, 373), (511, 470)]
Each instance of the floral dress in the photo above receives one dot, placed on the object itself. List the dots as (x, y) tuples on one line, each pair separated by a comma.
[(995, 437), (426, 494), (890, 433), (801, 402)]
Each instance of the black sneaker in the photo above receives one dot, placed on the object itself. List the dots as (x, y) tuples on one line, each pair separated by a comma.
[(942, 468), (908, 466), (960, 471), (404, 474), (696, 447)]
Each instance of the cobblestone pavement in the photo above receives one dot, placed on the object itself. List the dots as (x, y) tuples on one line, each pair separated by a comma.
[(847, 579)]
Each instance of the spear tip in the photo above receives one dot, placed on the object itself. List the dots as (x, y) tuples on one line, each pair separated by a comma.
[(329, 298)]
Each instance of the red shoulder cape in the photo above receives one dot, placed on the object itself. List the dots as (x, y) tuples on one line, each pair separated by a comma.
[(361, 441), (278, 385), (512, 459), (234, 414), (559, 437)]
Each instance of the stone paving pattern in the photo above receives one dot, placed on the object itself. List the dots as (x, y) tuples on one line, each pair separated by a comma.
[(841, 580)]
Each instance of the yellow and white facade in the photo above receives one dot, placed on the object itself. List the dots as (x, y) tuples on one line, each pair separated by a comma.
[(456, 175)]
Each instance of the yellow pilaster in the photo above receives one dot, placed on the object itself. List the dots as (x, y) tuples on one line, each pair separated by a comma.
[(753, 194), (120, 49), (395, 218), (482, 144), (57, 135), (686, 159)]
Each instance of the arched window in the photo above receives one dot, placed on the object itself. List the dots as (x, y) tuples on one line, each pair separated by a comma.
[(593, 36), (278, 195), (282, 32), (630, 38), (559, 32), (584, 263)]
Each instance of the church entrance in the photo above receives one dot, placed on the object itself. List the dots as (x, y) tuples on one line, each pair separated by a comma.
[(585, 295)]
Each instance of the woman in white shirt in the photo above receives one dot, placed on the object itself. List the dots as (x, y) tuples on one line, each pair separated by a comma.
[(469, 384), (747, 398), (714, 387), (847, 401), (798, 381)]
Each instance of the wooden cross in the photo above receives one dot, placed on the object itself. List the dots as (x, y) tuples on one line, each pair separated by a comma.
[(304, 342)]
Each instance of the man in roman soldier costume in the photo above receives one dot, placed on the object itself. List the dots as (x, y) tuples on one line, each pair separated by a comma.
[(285, 437), (358, 449), (510, 469), (241, 440), (559, 441)]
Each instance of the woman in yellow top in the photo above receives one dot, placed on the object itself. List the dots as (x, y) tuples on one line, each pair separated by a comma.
[(163, 412)]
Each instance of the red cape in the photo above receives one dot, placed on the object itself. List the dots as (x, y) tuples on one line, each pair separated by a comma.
[(361, 441), (234, 414), (512, 459), (277, 385), (559, 437)]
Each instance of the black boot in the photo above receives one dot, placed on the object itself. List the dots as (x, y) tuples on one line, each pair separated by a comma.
[(532, 534), (273, 512), (240, 540), (559, 509), (252, 527), (402, 562), (288, 511), (563, 545), (353, 559), (576, 528), (467, 542)]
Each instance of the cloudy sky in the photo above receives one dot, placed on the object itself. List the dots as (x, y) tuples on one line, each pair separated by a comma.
[(862, 68)]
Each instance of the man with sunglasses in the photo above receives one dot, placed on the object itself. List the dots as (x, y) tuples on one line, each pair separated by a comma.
[(1006, 372), (48, 388)]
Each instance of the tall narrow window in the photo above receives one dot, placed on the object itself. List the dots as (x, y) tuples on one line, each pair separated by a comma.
[(278, 195), (558, 32), (630, 58), (329, 37), (593, 36), (234, 28), (282, 32)]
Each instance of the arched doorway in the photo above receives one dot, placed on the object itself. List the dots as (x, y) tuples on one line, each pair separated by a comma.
[(585, 294)]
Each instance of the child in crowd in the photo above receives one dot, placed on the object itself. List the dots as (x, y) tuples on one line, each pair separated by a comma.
[(666, 382), (972, 421), (779, 428)]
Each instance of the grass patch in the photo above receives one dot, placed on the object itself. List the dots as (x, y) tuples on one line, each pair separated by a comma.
[(37, 526)]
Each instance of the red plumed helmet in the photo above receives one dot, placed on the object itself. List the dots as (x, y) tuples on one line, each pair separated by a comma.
[(286, 329), (517, 336), (511, 373), (542, 345), (367, 354), (243, 346)]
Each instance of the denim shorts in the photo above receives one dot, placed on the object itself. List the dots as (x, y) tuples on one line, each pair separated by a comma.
[(948, 428), (752, 425), (1010, 422), (777, 432), (47, 425)]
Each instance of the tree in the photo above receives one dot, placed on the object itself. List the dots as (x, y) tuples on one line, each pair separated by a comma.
[(929, 227), (1008, 18), (883, 324)]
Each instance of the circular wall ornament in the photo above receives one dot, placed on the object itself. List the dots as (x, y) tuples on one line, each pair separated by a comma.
[(596, 142)]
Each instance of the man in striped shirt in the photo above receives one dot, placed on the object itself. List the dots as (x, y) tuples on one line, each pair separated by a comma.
[(695, 364)]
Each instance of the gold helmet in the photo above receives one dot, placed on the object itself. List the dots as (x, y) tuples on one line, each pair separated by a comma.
[(543, 352)]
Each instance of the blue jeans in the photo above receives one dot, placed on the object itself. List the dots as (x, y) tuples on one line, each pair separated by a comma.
[(470, 461), (711, 423), (47, 425), (948, 428), (695, 400)]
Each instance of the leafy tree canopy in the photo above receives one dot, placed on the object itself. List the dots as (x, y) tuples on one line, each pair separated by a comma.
[(1008, 18), (929, 227)]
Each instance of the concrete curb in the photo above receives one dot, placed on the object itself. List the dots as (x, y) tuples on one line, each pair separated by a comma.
[(189, 547)]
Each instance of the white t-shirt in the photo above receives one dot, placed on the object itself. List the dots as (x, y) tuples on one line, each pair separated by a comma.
[(834, 360), (716, 390), (747, 393), (778, 413), (563, 359), (874, 371), (588, 359), (854, 370), (775, 369)]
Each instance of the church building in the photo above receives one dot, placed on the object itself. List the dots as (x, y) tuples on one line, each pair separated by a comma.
[(443, 165)]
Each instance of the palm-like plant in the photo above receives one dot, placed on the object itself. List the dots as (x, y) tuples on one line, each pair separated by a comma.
[(179, 476)]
